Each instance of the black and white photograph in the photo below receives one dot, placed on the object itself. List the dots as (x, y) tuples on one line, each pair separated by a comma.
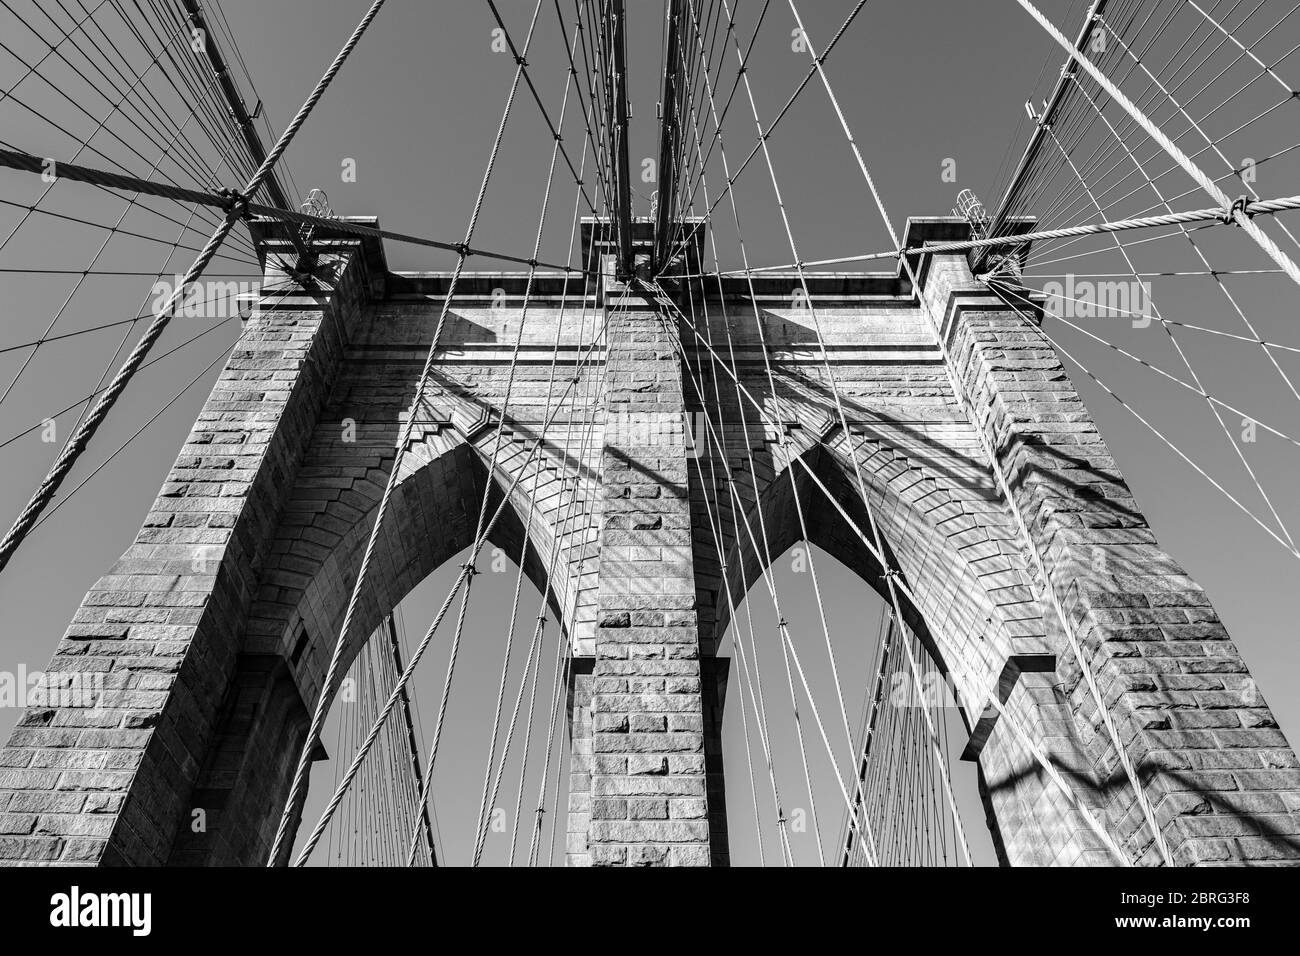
[(645, 434)]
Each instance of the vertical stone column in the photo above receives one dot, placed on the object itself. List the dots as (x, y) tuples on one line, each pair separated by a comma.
[(648, 800), (112, 780), (1217, 772), (577, 849)]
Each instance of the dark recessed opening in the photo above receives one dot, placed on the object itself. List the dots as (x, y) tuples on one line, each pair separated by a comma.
[(299, 646)]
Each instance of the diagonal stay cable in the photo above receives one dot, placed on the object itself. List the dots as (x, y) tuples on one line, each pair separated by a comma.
[(81, 438), (81, 279), (1177, 345), (28, 162), (297, 790), (496, 452), (102, 125), (465, 573), (1003, 291), (522, 64), (134, 435), (481, 829), (86, 398), (1212, 215), (993, 460), (1235, 210)]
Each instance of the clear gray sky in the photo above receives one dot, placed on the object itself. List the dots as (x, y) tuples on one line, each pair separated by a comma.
[(925, 85)]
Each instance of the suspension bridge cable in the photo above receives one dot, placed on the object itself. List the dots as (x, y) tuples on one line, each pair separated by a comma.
[(522, 63), (758, 700), (1207, 215), (112, 232), (1236, 211), (298, 788), (1148, 97), (756, 697), (1004, 291), (101, 126), (77, 443), (541, 618), (53, 510), (839, 407), (782, 436), (787, 650), (480, 830), (995, 464), (81, 401), (1196, 381), (428, 637), (716, 436), (569, 608), (1205, 262), (28, 162)]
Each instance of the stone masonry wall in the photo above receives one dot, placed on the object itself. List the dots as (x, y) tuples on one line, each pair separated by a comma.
[(110, 784), (648, 794), (1221, 778), (213, 630)]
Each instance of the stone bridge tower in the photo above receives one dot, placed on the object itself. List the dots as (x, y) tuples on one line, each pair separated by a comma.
[(214, 629)]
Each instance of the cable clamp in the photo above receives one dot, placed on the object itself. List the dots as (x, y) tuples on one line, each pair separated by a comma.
[(469, 569), (236, 202), (462, 249), (1242, 204)]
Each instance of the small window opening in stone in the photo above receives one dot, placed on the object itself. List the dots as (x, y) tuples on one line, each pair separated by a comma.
[(299, 646)]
